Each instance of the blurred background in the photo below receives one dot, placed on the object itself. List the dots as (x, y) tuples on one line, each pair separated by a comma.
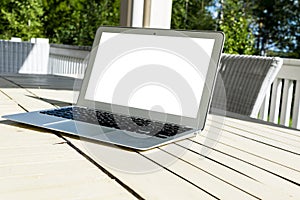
[(259, 27)]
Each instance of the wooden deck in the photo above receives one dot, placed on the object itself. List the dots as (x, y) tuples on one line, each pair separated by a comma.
[(230, 159)]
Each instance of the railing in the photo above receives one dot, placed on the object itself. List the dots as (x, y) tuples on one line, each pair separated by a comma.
[(67, 60), (282, 102)]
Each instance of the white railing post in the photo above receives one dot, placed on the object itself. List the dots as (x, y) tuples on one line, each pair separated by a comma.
[(275, 100), (296, 109), (286, 102), (264, 110)]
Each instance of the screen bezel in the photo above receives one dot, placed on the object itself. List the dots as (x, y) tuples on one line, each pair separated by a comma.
[(199, 121)]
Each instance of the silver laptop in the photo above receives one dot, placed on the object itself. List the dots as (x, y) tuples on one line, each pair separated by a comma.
[(142, 88)]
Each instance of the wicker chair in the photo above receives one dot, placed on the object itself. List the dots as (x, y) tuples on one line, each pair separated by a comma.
[(242, 83)]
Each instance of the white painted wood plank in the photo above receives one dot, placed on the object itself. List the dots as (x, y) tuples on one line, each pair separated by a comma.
[(46, 168), (26, 170), (32, 141), (264, 143), (60, 186), (275, 100), (268, 129), (5, 101), (285, 131), (286, 102), (30, 133), (9, 107), (200, 178), (296, 109), (220, 170), (153, 182), (3, 97), (270, 181), (263, 133), (43, 180), (26, 99), (242, 152), (28, 159), (233, 138), (23, 97), (10, 152), (67, 96)]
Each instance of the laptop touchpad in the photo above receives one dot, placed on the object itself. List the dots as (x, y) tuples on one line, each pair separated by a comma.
[(79, 128)]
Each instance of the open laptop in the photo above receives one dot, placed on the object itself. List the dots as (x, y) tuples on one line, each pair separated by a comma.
[(142, 88)]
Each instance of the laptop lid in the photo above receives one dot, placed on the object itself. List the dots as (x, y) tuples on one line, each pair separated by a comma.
[(163, 75)]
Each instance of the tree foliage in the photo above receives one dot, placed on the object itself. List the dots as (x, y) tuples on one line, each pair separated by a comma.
[(192, 15), (76, 21), (235, 22), (277, 26), (62, 21), (266, 27), (21, 19)]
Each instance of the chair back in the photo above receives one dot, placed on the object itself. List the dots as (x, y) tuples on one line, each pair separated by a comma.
[(242, 83)]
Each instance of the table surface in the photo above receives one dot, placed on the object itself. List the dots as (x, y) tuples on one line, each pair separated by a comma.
[(230, 159)]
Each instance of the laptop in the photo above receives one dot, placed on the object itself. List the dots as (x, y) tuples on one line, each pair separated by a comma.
[(142, 88)]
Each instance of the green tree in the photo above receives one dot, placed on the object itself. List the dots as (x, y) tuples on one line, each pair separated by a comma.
[(21, 19), (76, 21), (192, 15), (277, 27), (235, 22), (61, 19), (95, 14)]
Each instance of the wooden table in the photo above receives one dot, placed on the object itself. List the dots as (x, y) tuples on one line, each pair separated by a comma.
[(230, 159)]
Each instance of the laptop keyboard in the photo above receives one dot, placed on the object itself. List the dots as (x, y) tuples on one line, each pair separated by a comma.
[(117, 121)]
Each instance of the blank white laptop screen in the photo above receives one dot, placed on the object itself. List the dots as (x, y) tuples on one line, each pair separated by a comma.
[(147, 62)]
